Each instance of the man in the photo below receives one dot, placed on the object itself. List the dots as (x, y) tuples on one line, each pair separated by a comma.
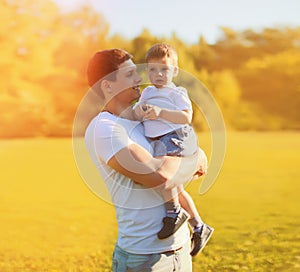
[(122, 154)]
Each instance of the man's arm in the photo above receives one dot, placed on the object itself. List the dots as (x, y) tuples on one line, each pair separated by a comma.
[(137, 163)]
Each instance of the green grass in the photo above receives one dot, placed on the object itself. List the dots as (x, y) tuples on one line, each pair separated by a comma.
[(51, 221)]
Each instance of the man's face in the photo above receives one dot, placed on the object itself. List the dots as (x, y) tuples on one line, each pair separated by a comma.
[(161, 72), (126, 86)]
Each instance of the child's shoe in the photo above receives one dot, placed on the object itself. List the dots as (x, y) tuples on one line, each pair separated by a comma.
[(200, 238), (171, 225)]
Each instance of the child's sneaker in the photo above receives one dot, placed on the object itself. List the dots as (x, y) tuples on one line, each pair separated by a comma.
[(171, 225), (200, 239)]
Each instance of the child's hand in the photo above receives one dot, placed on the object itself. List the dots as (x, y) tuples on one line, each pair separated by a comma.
[(151, 112)]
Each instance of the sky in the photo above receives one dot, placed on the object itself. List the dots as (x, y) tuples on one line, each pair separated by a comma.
[(191, 18)]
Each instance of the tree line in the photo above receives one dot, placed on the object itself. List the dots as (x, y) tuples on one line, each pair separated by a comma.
[(253, 76)]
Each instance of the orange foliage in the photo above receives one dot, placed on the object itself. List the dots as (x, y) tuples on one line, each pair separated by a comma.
[(45, 52)]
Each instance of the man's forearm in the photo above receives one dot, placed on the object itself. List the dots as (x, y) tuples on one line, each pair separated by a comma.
[(187, 168), (137, 164)]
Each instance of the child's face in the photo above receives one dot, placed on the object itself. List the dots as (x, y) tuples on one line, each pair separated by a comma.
[(161, 72)]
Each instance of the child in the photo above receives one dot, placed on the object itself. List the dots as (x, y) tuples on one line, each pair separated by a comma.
[(166, 111)]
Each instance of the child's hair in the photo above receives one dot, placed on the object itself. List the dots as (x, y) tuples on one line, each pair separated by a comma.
[(161, 50)]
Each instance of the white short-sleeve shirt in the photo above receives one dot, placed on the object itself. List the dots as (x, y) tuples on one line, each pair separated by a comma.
[(139, 210)]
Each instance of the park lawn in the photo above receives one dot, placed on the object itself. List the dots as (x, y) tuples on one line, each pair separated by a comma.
[(51, 221)]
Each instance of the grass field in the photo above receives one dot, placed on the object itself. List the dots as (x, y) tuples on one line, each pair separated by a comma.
[(51, 221)]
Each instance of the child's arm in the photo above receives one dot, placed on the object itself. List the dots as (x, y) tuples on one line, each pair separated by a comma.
[(173, 116)]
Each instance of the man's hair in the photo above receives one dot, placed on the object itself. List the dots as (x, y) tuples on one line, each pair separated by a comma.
[(103, 64), (161, 50)]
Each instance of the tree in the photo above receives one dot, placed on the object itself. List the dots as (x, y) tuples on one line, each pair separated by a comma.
[(44, 65), (26, 47), (141, 44), (272, 82)]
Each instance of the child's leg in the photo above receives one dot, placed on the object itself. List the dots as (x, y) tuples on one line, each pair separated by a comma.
[(172, 204), (188, 204), (176, 216)]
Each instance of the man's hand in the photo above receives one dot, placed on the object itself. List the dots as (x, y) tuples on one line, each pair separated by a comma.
[(139, 113), (202, 164)]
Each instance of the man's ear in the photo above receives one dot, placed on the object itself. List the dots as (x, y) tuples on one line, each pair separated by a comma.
[(105, 86)]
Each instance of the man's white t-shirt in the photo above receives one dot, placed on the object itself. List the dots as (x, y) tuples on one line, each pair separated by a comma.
[(139, 210), (171, 98)]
